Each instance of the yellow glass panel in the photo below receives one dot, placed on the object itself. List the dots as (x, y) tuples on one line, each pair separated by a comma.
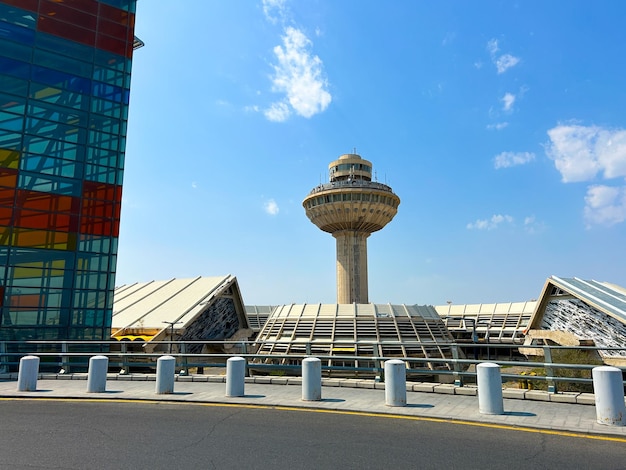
[(47, 92), (44, 239), (9, 158)]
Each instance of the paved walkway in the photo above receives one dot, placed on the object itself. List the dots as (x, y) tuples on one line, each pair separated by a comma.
[(435, 401)]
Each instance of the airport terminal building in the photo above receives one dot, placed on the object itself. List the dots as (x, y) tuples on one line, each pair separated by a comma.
[(65, 72)]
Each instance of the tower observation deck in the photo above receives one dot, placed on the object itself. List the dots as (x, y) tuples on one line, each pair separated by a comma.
[(350, 207)]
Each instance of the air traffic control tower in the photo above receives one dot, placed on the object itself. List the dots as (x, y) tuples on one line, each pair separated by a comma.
[(350, 207)]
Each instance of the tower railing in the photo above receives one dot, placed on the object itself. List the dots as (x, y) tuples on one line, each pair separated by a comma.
[(351, 184)]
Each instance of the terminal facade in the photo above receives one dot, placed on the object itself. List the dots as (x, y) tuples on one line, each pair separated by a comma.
[(65, 71)]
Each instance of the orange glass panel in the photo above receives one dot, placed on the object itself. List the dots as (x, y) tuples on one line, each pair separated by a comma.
[(27, 301), (8, 177), (47, 202)]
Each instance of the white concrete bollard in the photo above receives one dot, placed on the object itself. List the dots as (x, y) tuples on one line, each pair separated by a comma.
[(609, 393), (489, 389), (235, 376), (27, 374), (166, 371), (97, 374), (395, 383), (311, 379)]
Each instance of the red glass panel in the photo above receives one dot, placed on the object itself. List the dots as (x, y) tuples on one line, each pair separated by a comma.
[(66, 31), (95, 226), (46, 221), (90, 6), (115, 30), (23, 4), (5, 216), (115, 14), (112, 45), (69, 15), (102, 191), (7, 197)]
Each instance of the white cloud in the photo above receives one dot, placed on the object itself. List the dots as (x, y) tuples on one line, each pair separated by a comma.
[(505, 62), (531, 226), (509, 159), (194, 185), (492, 47), (299, 75), (498, 126), (605, 205), (581, 152), (274, 10), (277, 112), (448, 39), (271, 207), (502, 62), (507, 101), (490, 224)]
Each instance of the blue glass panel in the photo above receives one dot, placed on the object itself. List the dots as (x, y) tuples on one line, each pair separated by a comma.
[(14, 68), (16, 33), (12, 103), (56, 113), (10, 140), (64, 80), (15, 51), (103, 157), (13, 85), (53, 129), (11, 122), (17, 16), (58, 96), (109, 92), (126, 5), (49, 184), (51, 166), (53, 148), (107, 108), (65, 47), (65, 64)]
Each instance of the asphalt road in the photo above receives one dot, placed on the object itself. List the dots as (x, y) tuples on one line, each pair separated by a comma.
[(38, 434)]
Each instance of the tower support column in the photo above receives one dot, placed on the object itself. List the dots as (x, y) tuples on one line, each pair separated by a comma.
[(351, 266)]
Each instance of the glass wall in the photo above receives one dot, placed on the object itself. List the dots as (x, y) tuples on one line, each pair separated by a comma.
[(64, 90)]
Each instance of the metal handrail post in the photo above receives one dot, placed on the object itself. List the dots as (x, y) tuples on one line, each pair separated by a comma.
[(182, 348), (547, 354), (124, 349), (4, 367), (458, 378), (65, 360)]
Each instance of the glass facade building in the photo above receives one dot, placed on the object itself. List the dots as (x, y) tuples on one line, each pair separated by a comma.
[(64, 89)]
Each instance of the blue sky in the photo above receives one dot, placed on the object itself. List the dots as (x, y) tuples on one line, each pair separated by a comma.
[(500, 125)]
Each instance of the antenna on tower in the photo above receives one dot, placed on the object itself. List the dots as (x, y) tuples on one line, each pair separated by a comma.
[(354, 150)]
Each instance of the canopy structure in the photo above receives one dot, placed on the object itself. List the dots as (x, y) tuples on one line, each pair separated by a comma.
[(201, 308), (504, 322), (573, 312), (341, 330)]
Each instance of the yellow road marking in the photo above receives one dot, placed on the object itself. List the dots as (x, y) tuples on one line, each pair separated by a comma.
[(598, 437)]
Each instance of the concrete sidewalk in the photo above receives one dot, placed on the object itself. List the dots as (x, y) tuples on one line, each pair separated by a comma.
[(539, 410)]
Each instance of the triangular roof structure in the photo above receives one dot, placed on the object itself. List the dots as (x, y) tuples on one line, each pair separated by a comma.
[(193, 309), (585, 310)]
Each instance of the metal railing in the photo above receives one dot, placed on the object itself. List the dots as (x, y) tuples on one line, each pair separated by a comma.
[(128, 357)]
